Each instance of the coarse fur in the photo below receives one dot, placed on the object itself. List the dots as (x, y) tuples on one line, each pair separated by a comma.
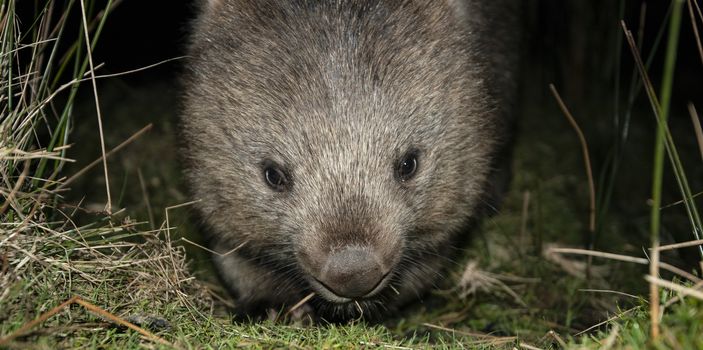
[(336, 93)]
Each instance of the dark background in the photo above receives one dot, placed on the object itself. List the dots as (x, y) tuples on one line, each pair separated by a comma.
[(573, 41)]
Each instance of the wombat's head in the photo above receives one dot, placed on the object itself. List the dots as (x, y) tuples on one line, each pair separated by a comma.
[(345, 142)]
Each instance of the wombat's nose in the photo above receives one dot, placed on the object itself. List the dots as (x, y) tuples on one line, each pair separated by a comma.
[(352, 272)]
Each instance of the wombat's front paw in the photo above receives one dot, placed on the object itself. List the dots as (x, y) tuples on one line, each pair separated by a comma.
[(304, 315)]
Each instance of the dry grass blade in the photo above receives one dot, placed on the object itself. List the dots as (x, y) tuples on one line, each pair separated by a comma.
[(696, 126), (11, 196), (485, 338), (46, 256), (589, 173), (122, 322), (668, 144), (610, 340), (524, 217), (664, 145), (385, 346), (675, 287), (611, 319), (586, 158), (654, 300), (145, 197), (95, 309), (683, 201), (694, 25), (678, 298), (132, 71), (88, 47), (212, 251), (681, 245), (31, 324), (124, 143), (299, 304), (625, 258), (552, 334), (529, 347), (610, 292), (474, 279)]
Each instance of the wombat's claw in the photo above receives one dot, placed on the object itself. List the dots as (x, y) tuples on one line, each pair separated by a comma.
[(303, 315)]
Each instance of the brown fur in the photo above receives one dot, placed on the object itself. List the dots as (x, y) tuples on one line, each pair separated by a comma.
[(336, 92)]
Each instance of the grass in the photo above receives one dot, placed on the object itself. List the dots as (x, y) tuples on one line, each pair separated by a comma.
[(127, 276)]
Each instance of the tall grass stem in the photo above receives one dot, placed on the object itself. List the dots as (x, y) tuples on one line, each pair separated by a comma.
[(659, 148)]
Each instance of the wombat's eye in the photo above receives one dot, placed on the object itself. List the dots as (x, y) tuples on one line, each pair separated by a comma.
[(407, 166), (275, 177)]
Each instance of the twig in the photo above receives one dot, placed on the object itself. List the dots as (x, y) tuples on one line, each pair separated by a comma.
[(121, 321), (90, 307), (31, 324)]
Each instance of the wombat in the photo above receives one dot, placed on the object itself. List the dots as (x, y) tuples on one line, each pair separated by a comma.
[(344, 146)]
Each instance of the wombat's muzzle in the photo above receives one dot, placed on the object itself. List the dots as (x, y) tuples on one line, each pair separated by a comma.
[(353, 272)]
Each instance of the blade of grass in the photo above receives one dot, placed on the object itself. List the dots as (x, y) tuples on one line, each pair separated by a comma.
[(699, 45), (80, 67), (696, 126), (670, 146), (662, 112), (89, 53)]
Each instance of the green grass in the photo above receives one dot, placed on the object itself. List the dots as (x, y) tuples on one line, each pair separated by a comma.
[(681, 328), (56, 244)]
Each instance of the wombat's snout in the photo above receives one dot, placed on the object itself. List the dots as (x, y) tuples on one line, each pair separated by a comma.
[(352, 272)]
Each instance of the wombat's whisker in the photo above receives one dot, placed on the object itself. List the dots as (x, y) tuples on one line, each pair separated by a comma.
[(393, 289)]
